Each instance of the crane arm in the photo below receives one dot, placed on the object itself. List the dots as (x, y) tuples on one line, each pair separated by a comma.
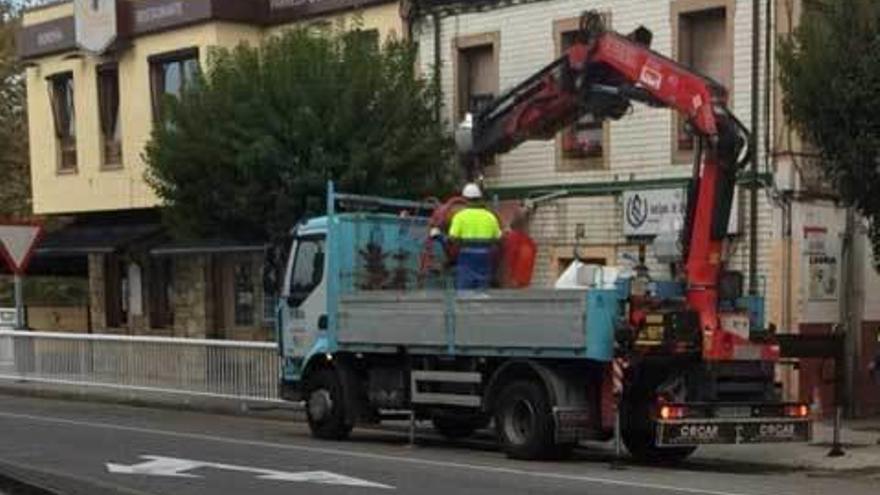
[(601, 74)]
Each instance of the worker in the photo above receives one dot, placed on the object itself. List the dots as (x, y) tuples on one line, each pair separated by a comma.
[(476, 231)]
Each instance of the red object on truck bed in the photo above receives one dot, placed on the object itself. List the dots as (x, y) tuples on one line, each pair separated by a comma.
[(518, 252)]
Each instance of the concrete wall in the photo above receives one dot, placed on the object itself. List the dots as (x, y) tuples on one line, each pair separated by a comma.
[(58, 318)]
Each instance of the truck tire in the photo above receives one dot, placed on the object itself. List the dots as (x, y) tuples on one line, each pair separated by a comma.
[(524, 423), (640, 437), (455, 427), (326, 406)]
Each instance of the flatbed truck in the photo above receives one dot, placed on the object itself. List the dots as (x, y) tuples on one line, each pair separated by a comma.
[(364, 333)]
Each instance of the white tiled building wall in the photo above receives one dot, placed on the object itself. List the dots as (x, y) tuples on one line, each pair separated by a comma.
[(640, 146)]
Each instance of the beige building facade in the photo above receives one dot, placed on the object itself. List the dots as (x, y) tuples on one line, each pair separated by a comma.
[(91, 114)]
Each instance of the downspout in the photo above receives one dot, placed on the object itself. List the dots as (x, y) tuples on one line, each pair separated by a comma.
[(769, 77), (753, 196), (786, 264), (435, 18)]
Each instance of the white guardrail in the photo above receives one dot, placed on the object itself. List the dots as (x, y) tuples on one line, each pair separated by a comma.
[(216, 368)]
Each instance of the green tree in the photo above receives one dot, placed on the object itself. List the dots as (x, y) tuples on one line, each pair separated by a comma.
[(830, 74), (247, 150), (14, 172)]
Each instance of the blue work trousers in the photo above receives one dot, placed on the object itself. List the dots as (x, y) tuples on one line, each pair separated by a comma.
[(473, 267)]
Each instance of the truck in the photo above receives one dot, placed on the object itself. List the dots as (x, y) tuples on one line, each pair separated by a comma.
[(367, 334)]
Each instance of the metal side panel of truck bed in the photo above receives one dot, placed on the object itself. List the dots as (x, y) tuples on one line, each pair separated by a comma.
[(533, 322)]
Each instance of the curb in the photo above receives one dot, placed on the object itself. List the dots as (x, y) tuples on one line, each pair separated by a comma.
[(276, 410)]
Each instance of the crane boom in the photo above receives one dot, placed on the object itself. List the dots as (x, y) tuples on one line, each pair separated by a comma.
[(601, 74)]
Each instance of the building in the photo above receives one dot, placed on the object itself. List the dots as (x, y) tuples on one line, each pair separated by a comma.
[(97, 71), (622, 182)]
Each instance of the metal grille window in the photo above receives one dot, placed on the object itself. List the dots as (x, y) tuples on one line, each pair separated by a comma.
[(116, 294), (161, 295), (244, 294), (63, 112), (170, 75), (108, 106)]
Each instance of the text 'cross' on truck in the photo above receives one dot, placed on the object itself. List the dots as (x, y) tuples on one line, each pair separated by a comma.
[(370, 327)]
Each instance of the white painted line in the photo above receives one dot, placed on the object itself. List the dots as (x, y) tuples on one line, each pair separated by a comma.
[(369, 456), (175, 467)]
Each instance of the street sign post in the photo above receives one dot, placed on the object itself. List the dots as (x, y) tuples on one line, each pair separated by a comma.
[(17, 244)]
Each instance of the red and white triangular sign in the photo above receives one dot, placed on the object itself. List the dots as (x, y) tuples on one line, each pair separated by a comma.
[(17, 243)]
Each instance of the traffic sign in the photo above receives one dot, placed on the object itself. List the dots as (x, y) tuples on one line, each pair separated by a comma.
[(17, 243)]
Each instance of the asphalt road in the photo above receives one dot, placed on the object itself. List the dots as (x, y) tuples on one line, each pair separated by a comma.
[(95, 449)]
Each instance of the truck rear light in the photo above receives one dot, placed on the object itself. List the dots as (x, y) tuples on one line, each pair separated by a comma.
[(797, 411), (672, 412)]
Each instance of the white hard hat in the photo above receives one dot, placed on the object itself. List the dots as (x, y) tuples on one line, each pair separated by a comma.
[(471, 191)]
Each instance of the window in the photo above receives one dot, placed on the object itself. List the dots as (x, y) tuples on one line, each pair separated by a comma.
[(583, 145), (476, 72), (170, 74), (244, 294), (161, 293), (108, 106), (61, 98), (363, 38), (308, 268), (704, 45)]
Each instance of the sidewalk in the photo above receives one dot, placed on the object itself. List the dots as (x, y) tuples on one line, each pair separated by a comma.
[(860, 440)]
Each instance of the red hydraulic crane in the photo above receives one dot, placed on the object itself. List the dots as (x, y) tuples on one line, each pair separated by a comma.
[(600, 75)]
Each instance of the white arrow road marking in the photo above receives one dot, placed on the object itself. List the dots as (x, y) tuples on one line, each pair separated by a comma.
[(156, 465)]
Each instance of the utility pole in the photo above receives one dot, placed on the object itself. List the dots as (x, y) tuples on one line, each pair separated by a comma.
[(753, 144), (849, 314)]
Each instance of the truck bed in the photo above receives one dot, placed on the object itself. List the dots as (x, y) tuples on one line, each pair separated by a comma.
[(532, 322)]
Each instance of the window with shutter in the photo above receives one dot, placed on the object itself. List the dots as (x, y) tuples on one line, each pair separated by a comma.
[(64, 116), (584, 144), (703, 43), (108, 108), (476, 77)]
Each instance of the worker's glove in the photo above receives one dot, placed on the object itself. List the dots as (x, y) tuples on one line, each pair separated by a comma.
[(436, 233)]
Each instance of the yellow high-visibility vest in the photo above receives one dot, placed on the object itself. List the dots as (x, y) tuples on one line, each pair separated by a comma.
[(475, 224)]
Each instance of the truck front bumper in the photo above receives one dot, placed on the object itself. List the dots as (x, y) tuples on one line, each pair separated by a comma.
[(693, 432)]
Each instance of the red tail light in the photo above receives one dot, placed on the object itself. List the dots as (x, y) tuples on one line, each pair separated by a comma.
[(672, 412), (797, 411)]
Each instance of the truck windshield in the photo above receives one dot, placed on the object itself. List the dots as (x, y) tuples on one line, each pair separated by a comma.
[(308, 267)]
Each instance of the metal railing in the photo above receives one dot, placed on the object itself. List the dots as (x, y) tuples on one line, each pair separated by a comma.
[(218, 368)]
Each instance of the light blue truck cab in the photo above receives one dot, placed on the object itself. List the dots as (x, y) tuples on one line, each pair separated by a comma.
[(367, 332)]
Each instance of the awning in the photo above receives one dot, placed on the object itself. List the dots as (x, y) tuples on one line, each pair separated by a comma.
[(79, 240), (207, 246), (63, 250)]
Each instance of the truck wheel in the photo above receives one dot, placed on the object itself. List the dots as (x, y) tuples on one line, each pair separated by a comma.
[(640, 437), (325, 406), (525, 425), (453, 427)]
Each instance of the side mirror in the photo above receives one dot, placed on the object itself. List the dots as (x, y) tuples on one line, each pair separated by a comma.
[(322, 322)]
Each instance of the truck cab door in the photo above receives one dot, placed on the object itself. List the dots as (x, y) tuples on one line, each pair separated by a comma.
[(304, 314)]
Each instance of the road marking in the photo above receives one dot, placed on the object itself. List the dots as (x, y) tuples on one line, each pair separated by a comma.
[(367, 455), (174, 467)]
